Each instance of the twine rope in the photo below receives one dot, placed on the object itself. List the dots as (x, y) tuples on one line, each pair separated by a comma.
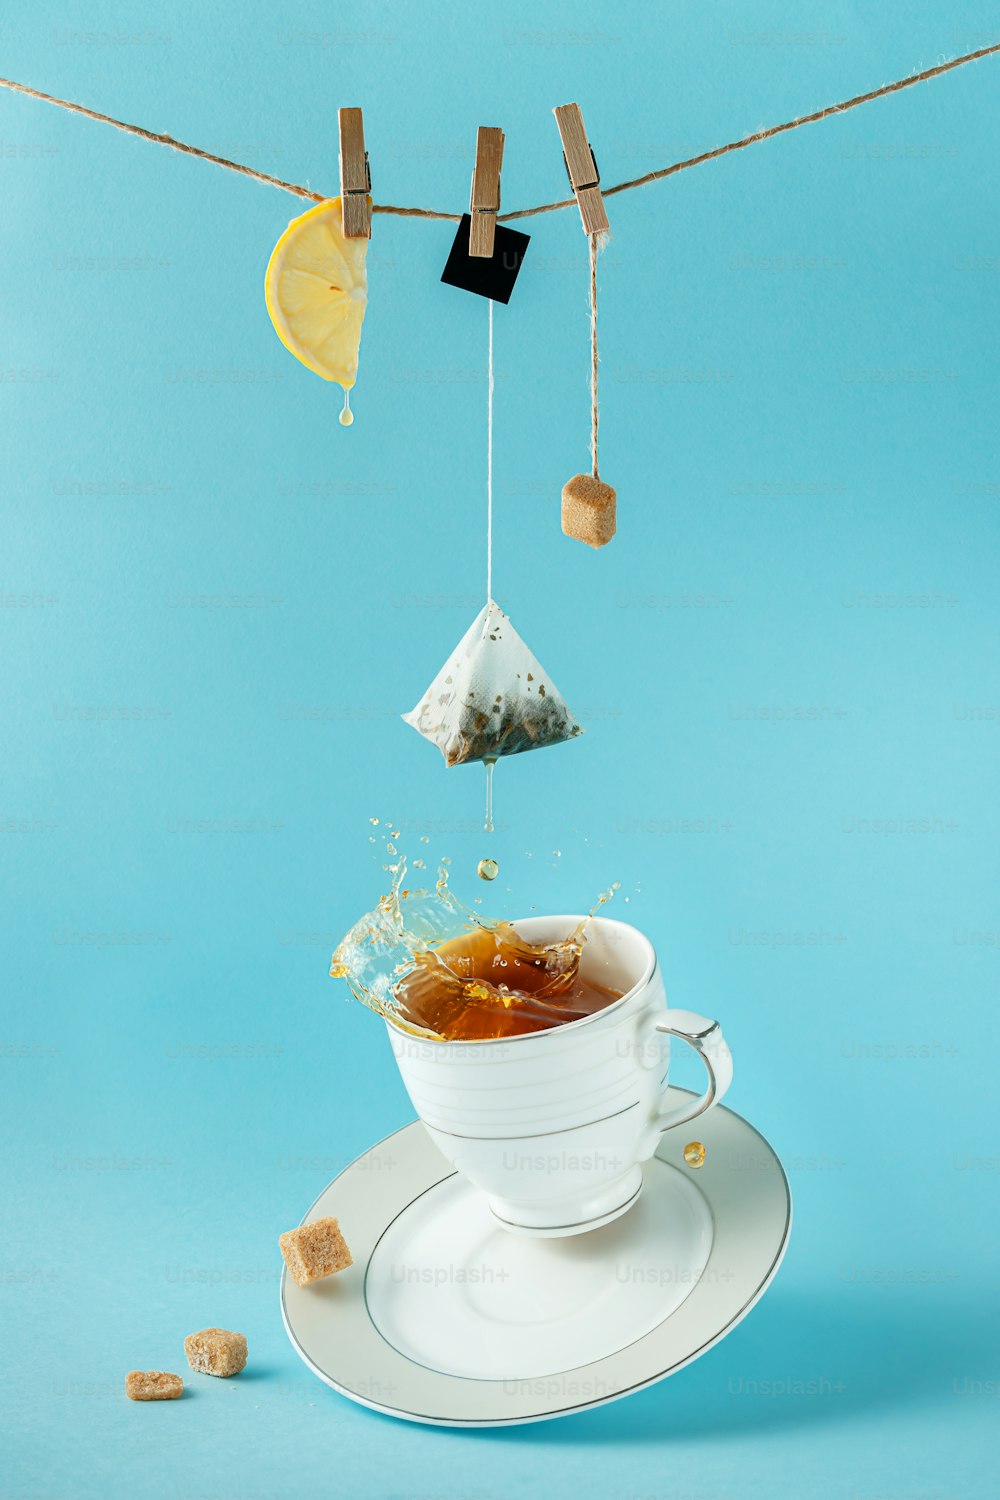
[(593, 238), (299, 191)]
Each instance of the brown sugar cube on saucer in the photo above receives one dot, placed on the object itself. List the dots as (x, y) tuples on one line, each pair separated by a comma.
[(315, 1250), (216, 1351), (153, 1385), (588, 510)]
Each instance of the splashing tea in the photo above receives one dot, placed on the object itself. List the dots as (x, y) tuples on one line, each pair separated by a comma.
[(493, 983), (423, 960)]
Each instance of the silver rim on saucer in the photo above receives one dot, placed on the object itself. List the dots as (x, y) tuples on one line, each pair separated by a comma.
[(330, 1326)]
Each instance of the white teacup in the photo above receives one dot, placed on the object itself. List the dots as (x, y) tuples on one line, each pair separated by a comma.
[(554, 1126)]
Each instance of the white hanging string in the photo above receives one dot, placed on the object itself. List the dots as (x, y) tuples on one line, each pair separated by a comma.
[(489, 462), (490, 761)]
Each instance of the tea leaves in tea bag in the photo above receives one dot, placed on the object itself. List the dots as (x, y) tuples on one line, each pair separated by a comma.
[(492, 697)]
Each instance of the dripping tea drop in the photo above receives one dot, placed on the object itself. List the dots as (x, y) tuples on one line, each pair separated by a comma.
[(488, 822)]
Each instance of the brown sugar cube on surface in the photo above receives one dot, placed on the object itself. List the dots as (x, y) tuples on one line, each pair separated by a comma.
[(153, 1385), (588, 510), (315, 1250), (216, 1351)]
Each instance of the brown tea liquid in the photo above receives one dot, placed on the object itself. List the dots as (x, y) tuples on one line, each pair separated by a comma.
[(491, 983)]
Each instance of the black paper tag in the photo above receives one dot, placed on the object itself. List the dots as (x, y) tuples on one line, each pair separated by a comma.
[(492, 276)]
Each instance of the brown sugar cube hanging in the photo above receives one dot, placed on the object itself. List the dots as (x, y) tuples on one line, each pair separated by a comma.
[(588, 510), (589, 506)]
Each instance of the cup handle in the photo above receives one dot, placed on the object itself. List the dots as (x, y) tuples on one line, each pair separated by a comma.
[(706, 1038)]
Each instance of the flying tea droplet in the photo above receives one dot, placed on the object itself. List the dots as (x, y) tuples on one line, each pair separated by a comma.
[(488, 869), (694, 1154), (346, 416)]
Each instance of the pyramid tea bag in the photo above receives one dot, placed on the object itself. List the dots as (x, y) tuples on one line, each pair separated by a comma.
[(492, 697)]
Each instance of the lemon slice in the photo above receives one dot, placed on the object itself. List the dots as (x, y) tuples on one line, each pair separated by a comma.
[(316, 291)]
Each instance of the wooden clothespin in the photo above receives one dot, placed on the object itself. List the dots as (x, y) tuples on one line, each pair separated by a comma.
[(484, 203), (355, 177), (581, 164)]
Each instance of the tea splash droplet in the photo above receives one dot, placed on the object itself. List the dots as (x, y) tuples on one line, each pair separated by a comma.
[(694, 1154), (488, 869), (433, 966), (346, 416)]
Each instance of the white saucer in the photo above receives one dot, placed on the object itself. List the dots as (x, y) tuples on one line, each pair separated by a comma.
[(445, 1317)]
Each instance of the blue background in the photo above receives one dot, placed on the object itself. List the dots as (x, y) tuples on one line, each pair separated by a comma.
[(216, 602)]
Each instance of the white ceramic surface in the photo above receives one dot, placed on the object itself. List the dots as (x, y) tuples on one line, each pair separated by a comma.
[(331, 1327), (449, 1287), (553, 1127)]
